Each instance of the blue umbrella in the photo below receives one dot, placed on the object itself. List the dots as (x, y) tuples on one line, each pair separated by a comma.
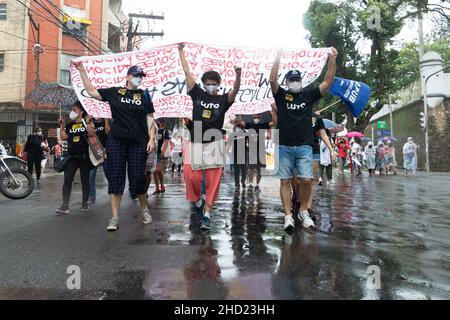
[(329, 124)]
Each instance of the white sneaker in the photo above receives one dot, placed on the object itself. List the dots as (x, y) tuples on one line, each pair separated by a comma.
[(147, 217), (289, 223), (306, 219), (113, 224)]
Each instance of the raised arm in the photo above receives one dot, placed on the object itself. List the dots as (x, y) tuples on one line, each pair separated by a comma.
[(63, 130), (237, 84), (274, 73), (90, 89), (331, 72), (189, 78)]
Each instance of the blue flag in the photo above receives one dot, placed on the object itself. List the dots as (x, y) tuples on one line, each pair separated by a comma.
[(353, 93)]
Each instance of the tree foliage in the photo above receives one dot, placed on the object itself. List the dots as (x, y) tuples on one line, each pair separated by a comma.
[(351, 26)]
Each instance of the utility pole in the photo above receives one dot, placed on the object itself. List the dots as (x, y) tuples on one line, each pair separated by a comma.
[(134, 33), (391, 124), (37, 49)]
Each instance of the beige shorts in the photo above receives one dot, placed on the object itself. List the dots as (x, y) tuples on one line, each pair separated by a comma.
[(207, 155)]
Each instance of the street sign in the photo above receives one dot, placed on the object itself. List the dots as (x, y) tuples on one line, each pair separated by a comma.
[(383, 133), (381, 124)]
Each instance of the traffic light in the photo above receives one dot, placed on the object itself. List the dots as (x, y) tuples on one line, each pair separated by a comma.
[(423, 120)]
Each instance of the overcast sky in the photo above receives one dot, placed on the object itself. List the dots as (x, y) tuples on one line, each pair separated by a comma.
[(230, 22), (238, 22)]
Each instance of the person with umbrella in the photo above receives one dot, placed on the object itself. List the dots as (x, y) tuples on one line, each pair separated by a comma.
[(130, 139), (296, 136), (342, 147), (357, 155)]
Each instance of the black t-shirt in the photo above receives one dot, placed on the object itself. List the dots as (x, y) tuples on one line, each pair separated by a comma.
[(294, 112), (208, 109), (100, 130), (317, 124), (259, 137), (163, 134), (77, 140), (129, 109), (33, 144)]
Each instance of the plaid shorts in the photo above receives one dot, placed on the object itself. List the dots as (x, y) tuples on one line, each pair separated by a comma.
[(125, 157)]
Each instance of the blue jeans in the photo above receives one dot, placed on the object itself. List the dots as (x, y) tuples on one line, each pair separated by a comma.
[(299, 158), (92, 178)]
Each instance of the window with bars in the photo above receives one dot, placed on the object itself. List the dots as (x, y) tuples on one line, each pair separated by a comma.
[(65, 78)]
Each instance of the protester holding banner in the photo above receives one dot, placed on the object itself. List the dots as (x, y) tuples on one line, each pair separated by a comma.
[(76, 135), (207, 146), (130, 139), (294, 113)]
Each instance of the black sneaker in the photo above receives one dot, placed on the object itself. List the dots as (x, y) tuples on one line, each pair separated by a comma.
[(206, 223), (63, 210), (257, 189), (85, 207)]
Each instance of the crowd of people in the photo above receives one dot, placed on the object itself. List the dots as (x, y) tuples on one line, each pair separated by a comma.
[(139, 147), (379, 159)]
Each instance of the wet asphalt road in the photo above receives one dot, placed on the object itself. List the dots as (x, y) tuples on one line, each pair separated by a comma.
[(398, 224)]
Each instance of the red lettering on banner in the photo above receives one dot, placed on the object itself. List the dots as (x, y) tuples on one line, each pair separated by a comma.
[(216, 52)]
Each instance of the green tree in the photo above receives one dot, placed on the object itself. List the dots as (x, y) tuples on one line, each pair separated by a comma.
[(377, 23), (333, 25)]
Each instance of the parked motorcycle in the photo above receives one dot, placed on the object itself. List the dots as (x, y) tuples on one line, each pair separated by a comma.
[(15, 181)]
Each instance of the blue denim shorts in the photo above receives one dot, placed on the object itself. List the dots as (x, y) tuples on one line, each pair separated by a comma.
[(298, 157)]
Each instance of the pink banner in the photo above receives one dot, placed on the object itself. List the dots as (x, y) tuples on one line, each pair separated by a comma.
[(166, 81)]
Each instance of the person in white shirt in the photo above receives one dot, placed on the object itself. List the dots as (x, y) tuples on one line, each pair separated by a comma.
[(356, 155)]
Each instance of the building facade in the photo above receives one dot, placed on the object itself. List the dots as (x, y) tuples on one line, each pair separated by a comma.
[(38, 40)]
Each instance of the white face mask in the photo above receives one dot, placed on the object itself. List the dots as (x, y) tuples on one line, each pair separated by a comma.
[(73, 115), (295, 86), (256, 121), (211, 88), (136, 82)]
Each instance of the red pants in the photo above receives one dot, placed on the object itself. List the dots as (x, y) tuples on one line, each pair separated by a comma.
[(193, 179)]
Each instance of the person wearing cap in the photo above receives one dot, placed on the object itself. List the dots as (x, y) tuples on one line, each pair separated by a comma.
[(410, 156), (206, 151), (296, 137), (131, 138)]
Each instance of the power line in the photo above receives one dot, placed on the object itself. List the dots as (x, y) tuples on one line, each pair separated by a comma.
[(59, 24), (65, 14)]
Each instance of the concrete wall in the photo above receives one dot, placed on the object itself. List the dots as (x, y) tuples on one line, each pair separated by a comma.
[(406, 124)]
